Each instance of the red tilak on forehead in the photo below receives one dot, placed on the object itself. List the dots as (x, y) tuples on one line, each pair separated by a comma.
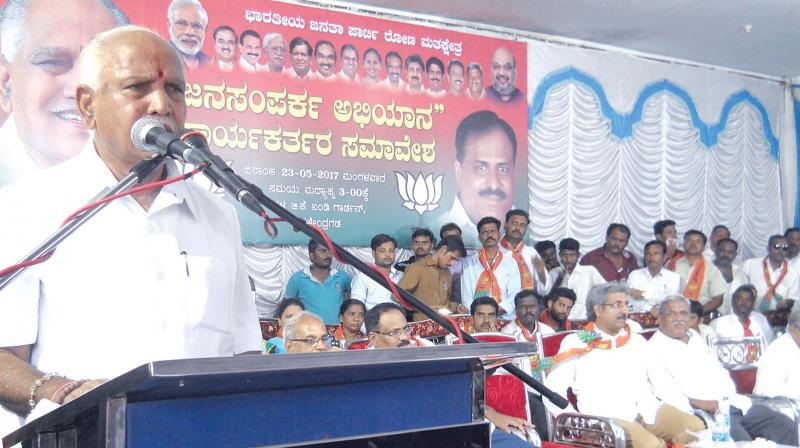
[(160, 73)]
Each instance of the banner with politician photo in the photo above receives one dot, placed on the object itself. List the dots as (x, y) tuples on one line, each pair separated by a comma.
[(357, 124)]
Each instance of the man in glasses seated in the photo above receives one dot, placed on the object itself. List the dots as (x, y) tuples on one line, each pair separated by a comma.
[(304, 333), (777, 286), (387, 328), (605, 366)]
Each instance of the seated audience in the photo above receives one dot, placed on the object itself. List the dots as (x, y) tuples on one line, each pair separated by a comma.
[(577, 277), (286, 309), (368, 290), (612, 261), (666, 232), (718, 233), (696, 323), (351, 316), (321, 287), (305, 332), (779, 367), (605, 366), (547, 250), (422, 241), (489, 271), (725, 261), (685, 374), (524, 329), (650, 284), (429, 278), (777, 286), (387, 328), (484, 315), (526, 324), (701, 281), (743, 321), (559, 305)]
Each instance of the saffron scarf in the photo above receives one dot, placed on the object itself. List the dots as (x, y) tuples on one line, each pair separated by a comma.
[(487, 285), (695, 281), (770, 294), (516, 253), (593, 341)]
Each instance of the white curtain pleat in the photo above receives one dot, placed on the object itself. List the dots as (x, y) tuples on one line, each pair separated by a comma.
[(582, 177)]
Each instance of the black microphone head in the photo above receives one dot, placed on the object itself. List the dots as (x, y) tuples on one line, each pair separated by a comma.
[(140, 131)]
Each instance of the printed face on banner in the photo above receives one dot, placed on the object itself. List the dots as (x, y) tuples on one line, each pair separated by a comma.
[(39, 83), (358, 131), (225, 45)]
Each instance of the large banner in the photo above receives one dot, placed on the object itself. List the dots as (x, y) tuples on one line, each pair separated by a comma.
[(351, 121)]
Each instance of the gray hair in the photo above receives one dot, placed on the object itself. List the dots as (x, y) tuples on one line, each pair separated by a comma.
[(177, 4), (662, 307), (599, 293), (289, 328), (92, 57), (268, 38), (794, 318), (12, 24)]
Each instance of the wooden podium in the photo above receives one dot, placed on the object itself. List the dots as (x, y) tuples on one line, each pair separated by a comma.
[(382, 398)]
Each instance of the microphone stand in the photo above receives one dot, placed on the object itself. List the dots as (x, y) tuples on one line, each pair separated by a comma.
[(300, 225), (138, 173)]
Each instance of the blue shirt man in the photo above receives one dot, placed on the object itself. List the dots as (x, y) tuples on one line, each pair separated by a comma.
[(321, 288)]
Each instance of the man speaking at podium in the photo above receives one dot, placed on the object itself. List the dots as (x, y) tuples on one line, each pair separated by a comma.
[(156, 275)]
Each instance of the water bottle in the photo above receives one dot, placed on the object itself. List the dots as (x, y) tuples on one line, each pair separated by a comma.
[(721, 434)]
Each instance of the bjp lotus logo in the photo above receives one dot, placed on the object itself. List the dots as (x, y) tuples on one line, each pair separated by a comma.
[(421, 194)]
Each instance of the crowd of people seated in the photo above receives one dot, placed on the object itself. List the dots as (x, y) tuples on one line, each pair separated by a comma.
[(696, 294)]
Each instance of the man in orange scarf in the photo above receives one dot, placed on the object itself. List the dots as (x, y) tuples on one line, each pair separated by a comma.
[(530, 265), (701, 281), (489, 272), (605, 366)]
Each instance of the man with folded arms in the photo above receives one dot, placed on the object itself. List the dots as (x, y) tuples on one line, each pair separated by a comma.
[(777, 286), (686, 374)]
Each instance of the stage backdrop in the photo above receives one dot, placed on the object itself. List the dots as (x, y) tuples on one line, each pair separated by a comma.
[(619, 138), (355, 160)]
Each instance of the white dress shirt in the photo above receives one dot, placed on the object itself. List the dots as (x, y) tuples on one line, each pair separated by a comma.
[(779, 369), (680, 371), (609, 383), (730, 326), (369, 291), (753, 271), (130, 286), (654, 287), (507, 275), (543, 285), (581, 280)]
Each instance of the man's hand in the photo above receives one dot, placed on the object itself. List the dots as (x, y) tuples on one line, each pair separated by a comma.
[(85, 387), (506, 423), (461, 309), (785, 304), (637, 294), (540, 268)]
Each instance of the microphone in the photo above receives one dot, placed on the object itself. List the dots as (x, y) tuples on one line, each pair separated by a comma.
[(149, 134)]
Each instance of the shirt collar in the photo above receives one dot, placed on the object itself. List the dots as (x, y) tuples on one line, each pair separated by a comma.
[(175, 194)]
